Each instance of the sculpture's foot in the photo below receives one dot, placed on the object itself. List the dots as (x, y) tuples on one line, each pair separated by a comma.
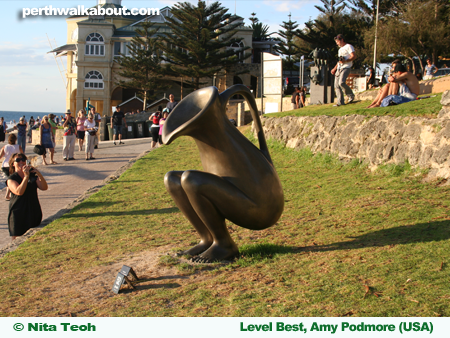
[(195, 250), (217, 253)]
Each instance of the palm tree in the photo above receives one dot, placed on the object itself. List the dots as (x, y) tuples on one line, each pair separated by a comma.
[(332, 8)]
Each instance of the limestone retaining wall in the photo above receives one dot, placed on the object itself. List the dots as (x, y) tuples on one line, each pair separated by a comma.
[(422, 141)]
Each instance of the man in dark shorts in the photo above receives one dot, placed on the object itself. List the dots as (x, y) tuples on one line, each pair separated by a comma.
[(117, 119), (172, 104)]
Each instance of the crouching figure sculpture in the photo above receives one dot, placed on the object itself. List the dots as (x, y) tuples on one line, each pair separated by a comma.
[(239, 181)]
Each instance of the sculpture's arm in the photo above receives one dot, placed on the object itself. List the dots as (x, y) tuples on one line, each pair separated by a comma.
[(246, 93)]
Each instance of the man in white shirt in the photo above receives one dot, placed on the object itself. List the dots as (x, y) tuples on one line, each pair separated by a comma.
[(342, 70)]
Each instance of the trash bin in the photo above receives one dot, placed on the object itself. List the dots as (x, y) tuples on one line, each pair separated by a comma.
[(110, 131), (148, 128), (139, 129), (128, 133)]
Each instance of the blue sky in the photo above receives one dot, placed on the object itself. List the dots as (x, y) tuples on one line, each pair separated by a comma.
[(30, 78)]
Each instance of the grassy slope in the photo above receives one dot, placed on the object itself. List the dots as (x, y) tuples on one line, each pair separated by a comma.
[(343, 227), (428, 108)]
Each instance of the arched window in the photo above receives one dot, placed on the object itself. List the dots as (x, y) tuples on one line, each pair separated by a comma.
[(239, 50), (93, 80), (95, 45)]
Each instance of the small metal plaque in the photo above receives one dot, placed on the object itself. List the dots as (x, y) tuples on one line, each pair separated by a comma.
[(122, 278)]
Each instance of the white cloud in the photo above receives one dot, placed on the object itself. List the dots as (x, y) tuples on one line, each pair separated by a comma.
[(12, 54), (283, 6)]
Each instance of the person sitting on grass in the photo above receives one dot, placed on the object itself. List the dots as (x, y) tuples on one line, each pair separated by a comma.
[(386, 90), (409, 87)]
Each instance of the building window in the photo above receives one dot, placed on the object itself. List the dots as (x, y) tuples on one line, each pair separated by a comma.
[(239, 50), (95, 45), (93, 80)]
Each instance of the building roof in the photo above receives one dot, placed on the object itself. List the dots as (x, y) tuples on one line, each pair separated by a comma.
[(129, 100), (64, 49)]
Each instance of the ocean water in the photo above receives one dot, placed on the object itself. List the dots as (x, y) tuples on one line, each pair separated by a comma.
[(10, 116)]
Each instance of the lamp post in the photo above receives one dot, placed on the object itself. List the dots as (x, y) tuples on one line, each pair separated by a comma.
[(376, 35)]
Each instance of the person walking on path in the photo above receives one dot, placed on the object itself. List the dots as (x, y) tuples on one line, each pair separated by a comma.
[(2, 129), (80, 129), (7, 151), (51, 120), (294, 98), (117, 119), (98, 120), (172, 103), (70, 127), (161, 123), (22, 133), (24, 209), (341, 71), (45, 131), (155, 118), (91, 135)]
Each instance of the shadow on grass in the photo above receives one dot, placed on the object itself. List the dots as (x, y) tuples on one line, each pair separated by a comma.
[(124, 213), (151, 286), (417, 233)]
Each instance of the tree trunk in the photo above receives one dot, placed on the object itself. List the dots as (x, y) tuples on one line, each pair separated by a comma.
[(413, 65), (145, 100)]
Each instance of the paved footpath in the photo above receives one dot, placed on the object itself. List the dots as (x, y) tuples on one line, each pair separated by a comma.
[(67, 180)]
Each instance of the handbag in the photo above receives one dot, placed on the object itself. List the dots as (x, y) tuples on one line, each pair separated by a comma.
[(39, 149), (92, 132)]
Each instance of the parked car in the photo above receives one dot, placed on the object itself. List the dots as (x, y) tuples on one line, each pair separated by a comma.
[(442, 72)]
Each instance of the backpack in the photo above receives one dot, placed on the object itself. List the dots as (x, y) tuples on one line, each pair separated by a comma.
[(156, 118)]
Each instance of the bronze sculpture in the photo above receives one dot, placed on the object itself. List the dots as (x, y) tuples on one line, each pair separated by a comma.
[(239, 181)]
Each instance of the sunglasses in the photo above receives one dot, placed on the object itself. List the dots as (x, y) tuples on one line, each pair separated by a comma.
[(20, 159)]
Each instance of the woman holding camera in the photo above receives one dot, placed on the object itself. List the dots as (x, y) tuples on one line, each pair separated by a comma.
[(91, 131), (24, 208)]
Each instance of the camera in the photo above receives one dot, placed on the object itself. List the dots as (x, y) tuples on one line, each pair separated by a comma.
[(341, 58)]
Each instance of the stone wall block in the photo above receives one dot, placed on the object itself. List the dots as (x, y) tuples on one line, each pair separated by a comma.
[(414, 153), (330, 123), (354, 150), (396, 127), (367, 131), (412, 132), (425, 157), (349, 131), (388, 152), (441, 155), (325, 144), (445, 132), (365, 148), (445, 100), (444, 113), (381, 131), (345, 146), (402, 153), (376, 153)]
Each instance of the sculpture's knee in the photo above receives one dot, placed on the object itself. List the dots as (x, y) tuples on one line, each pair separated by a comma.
[(191, 181), (172, 181)]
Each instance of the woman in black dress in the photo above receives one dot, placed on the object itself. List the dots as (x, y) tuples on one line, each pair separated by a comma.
[(24, 208)]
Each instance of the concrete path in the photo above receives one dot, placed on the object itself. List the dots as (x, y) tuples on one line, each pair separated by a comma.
[(68, 180)]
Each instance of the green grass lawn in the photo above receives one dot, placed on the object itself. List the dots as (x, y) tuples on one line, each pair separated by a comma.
[(427, 108), (349, 243)]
